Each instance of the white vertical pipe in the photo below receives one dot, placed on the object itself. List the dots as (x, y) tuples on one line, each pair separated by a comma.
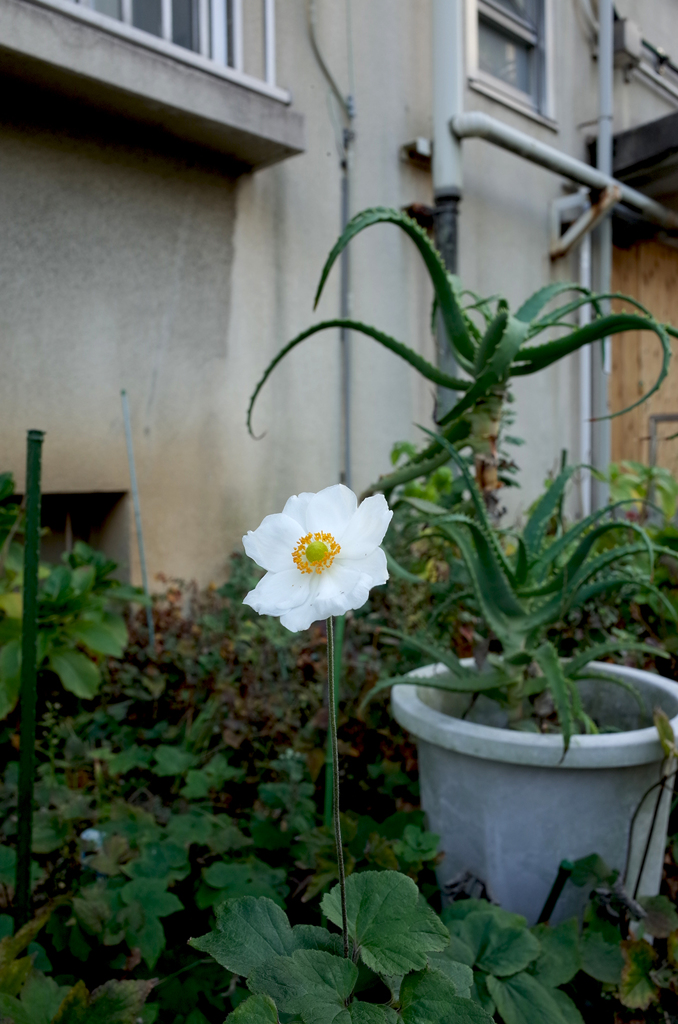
[(601, 432), (166, 19), (126, 11), (269, 41), (585, 410), (236, 25), (218, 41), (448, 93)]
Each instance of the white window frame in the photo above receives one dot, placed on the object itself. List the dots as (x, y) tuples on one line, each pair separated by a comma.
[(212, 54), (496, 88)]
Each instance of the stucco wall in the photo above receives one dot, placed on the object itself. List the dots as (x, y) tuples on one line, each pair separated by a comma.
[(132, 261)]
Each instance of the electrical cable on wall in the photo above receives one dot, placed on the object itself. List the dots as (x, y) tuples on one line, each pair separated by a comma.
[(347, 108)]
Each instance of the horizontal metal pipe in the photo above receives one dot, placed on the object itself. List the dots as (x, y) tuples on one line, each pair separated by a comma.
[(482, 126)]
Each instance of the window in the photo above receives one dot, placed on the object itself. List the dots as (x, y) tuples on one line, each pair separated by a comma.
[(212, 29), (508, 51)]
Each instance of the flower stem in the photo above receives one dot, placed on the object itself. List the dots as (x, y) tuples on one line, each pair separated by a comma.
[(335, 781)]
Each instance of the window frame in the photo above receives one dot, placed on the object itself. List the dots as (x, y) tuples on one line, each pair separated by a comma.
[(541, 110), (212, 55)]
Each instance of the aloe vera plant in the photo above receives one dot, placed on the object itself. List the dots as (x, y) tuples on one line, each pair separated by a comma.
[(523, 595), (489, 357)]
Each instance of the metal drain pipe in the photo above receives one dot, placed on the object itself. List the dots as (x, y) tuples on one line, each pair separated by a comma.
[(448, 96), (482, 126), (601, 353)]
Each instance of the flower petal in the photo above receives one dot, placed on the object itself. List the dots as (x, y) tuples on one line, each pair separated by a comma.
[(331, 510), (373, 566), (271, 544), (366, 529), (296, 506), (277, 592)]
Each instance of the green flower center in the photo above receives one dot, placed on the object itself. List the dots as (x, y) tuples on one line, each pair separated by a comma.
[(316, 551)]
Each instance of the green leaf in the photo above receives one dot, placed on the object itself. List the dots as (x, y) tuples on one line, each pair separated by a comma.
[(543, 512), (523, 1000), (42, 997), (310, 982), (601, 959), (458, 971), (153, 896), (10, 677), (443, 285), (538, 357), (547, 658), (369, 1013), (255, 1010), (249, 932), (128, 759), (534, 305), (7, 865), (98, 637), (118, 1002), (390, 923), (497, 949), (172, 761), (426, 369), (667, 737), (74, 1005), (13, 1011), (428, 997), (560, 958), (662, 918), (312, 936), (637, 989), (246, 878), (77, 672)]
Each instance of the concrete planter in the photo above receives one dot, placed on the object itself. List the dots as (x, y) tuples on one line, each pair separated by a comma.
[(508, 809)]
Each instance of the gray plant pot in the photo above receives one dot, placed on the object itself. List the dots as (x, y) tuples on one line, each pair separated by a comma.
[(509, 808)]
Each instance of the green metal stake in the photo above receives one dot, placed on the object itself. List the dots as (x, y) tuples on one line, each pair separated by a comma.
[(29, 653), (339, 624)]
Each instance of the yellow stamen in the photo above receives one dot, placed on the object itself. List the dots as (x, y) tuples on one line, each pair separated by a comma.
[(315, 552)]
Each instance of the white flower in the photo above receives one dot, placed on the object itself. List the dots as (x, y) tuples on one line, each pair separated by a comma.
[(322, 555)]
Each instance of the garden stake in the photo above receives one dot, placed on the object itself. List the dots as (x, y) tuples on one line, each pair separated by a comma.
[(29, 638), (137, 517), (335, 780), (564, 871), (338, 645)]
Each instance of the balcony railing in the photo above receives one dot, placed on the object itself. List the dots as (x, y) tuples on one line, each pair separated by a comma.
[(207, 33)]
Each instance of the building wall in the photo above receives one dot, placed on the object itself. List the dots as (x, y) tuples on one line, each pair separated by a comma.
[(131, 260)]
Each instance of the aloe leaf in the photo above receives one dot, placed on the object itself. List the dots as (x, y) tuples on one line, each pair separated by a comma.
[(591, 568), (490, 340), (579, 661), (556, 549), (547, 658), (420, 364), (521, 562), (429, 647), (469, 681), (478, 503), (500, 607), (535, 530), (552, 318), (396, 569), (424, 462), (453, 319), (538, 357), (536, 302), (496, 370), (578, 569)]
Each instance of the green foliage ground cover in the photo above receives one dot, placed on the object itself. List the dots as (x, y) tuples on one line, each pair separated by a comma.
[(197, 777)]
